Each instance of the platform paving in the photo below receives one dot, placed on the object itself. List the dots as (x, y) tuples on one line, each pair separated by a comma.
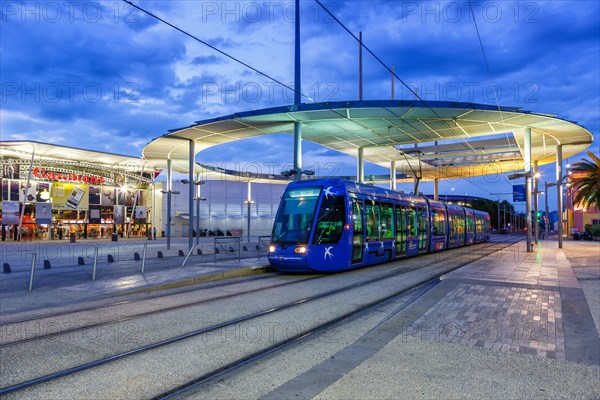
[(512, 325), (518, 302)]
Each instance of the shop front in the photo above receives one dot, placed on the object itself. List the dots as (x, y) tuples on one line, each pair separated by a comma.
[(48, 199)]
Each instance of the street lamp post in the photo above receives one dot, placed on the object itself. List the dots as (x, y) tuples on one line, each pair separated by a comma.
[(536, 175), (169, 193), (546, 186), (249, 202), (197, 183)]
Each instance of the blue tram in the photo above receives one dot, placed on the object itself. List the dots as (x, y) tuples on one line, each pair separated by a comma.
[(329, 225)]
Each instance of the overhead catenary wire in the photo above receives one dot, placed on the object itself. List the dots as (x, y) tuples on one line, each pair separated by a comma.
[(489, 71), (414, 92), (390, 70), (216, 49)]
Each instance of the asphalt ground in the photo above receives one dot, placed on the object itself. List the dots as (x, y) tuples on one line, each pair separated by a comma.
[(515, 325)]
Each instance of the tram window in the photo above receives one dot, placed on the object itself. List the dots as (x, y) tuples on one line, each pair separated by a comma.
[(401, 220), (479, 227), (457, 224), (438, 218), (470, 224), (293, 221), (373, 221), (331, 221), (387, 218), (357, 216)]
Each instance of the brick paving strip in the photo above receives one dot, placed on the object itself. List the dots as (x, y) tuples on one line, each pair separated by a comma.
[(512, 301)]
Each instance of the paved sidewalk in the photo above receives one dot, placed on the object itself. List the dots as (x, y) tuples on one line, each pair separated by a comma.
[(514, 301), (509, 326), (67, 283), (512, 325)]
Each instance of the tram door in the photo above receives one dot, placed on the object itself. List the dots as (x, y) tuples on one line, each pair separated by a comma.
[(422, 226), (400, 231), (416, 226), (357, 231)]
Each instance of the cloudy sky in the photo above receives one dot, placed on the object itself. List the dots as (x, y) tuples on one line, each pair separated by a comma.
[(102, 75)]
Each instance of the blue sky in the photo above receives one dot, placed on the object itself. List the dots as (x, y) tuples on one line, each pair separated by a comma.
[(104, 76)]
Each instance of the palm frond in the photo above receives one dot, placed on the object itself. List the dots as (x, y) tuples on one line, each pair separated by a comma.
[(587, 185)]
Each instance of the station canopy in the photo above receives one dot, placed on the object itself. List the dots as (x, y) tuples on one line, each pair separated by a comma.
[(427, 138)]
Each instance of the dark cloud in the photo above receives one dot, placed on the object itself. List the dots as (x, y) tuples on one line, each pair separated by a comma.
[(101, 75)]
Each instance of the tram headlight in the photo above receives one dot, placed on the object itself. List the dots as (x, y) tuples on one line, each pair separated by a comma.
[(300, 250), (272, 248)]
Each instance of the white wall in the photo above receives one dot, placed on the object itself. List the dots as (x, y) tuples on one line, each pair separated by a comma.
[(224, 207)]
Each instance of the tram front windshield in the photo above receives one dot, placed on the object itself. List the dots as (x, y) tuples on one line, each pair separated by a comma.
[(295, 215)]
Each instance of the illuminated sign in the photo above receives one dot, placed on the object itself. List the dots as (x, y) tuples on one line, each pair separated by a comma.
[(41, 173), (305, 192)]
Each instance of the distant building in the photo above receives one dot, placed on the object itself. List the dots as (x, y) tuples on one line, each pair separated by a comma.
[(225, 208)]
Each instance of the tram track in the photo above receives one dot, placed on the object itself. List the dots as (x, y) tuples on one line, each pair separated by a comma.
[(420, 289), (14, 325), (261, 352)]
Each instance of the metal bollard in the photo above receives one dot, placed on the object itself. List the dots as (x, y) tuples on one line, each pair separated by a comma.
[(144, 257), (95, 264), (33, 257)]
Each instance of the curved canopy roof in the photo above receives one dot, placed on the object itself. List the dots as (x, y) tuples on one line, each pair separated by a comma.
[(77, 158), (434, 139)]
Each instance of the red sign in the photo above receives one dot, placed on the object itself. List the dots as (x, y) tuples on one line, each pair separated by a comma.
[(41, 173)]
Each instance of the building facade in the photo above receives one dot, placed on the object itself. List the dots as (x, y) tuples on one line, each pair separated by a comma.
[(56, 192)]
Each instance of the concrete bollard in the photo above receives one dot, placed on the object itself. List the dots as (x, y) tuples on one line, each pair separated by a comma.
[(136, 256), (47, 264), (6, 268), (80, 261), (111, 258), (160, 254)]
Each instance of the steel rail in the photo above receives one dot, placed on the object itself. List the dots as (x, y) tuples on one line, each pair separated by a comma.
[(93, 364)]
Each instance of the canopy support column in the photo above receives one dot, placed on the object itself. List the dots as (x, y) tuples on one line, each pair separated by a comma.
[(436, 191), (298, 150), (393, 175), (361, 165), (559, 194), (191, 195), (536, 229), (527, 158), (25, 196), (297, 91), (169, 188)]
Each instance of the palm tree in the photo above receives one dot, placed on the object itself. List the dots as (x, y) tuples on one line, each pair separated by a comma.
[(587, 182)]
